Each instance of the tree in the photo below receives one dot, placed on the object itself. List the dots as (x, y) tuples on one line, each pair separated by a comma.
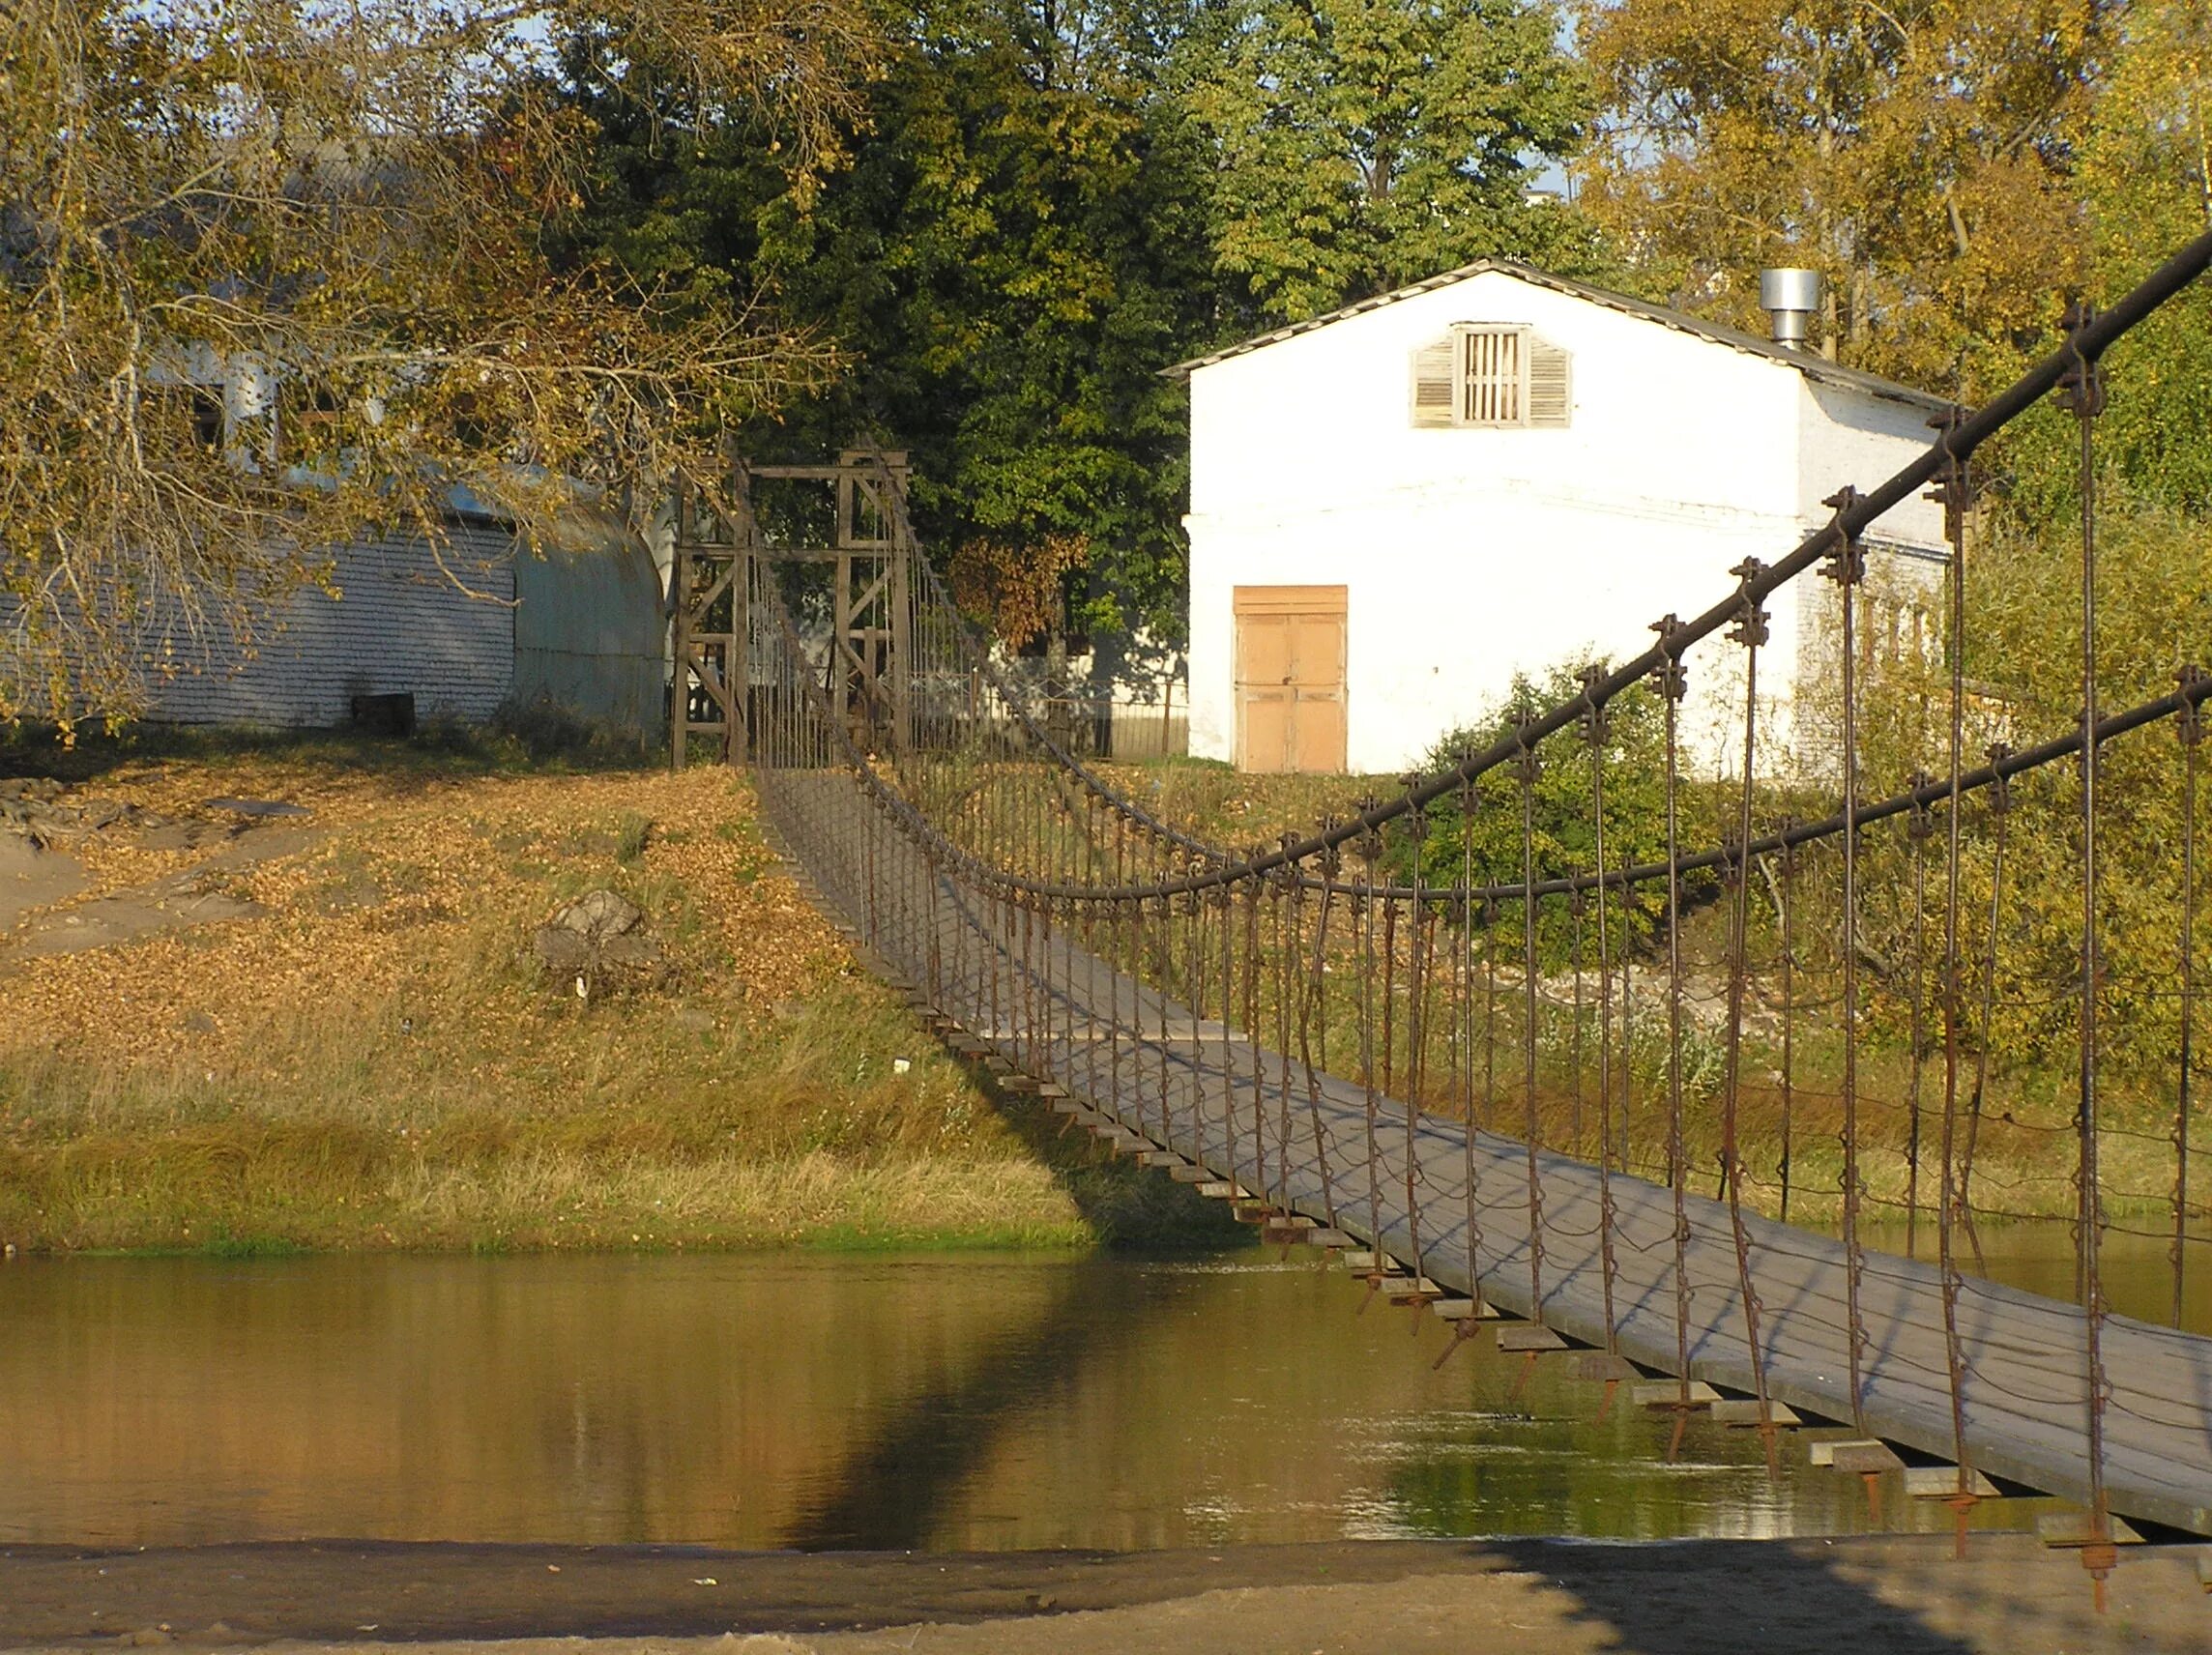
[(1016, 589), (1485, 845), (272, 271), (1358, 145), (1015, 250), (2146, 183), (1047, 204), (1921, 156)]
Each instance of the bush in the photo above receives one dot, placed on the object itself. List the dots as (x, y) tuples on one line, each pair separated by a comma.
[(548, 729), (1485, 847)]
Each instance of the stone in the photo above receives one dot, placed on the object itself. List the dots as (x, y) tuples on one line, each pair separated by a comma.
[(694, 1021), (632, 951), (561, 952), (598, 915), (597, 942), (633, 959)]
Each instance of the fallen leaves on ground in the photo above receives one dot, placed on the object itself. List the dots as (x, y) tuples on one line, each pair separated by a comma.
[(413, 880)]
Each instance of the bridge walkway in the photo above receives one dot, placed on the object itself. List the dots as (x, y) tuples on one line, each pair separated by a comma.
[(1262, 1120)]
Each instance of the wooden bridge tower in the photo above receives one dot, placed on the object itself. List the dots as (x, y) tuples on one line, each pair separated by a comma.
[(868, 680)]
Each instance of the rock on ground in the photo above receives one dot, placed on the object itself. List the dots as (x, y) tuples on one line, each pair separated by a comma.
[(598, 939)]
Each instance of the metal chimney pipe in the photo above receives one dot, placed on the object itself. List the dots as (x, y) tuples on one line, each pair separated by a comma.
[(1789, 297)]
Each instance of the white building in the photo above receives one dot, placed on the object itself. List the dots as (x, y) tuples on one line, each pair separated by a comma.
[(1396, 507)]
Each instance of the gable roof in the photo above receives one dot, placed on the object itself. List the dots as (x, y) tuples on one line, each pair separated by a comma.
[(1812, 366)]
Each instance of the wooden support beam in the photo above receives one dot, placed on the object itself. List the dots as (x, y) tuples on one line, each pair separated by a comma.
[(1865, 1455), (1463, 1310), (1410, 1290), (2072, 1532), (1530, 1336), (1668, 1393), (1941, 1482), (1600, 1365)]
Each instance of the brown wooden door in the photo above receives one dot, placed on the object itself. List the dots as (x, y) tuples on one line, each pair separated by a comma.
[(1290, 678)]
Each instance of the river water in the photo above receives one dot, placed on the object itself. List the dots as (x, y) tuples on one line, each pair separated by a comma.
[(811, 1401)]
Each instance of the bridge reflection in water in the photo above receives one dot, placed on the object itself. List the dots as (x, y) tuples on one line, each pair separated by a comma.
[(1182, 1001)]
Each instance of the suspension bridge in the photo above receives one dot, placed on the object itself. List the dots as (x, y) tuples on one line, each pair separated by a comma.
[(1579, 1103)]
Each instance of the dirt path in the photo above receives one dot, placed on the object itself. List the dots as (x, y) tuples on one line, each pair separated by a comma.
[(197, 894), (1897, 1596), (30, 878), (205, 848)]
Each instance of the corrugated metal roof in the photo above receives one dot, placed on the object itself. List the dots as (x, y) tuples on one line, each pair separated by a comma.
[(1811, 367)]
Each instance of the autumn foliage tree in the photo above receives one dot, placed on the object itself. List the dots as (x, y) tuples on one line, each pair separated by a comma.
[(1017, 589), (271, 271), (1921, 156), (2147, 176)]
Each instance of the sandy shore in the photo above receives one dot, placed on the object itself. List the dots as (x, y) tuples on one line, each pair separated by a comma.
[(1903, 1595)]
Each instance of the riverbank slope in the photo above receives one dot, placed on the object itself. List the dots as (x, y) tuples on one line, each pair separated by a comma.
[(257, 996)]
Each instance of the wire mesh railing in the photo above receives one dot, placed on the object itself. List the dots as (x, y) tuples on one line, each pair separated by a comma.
[(1563, 1028)]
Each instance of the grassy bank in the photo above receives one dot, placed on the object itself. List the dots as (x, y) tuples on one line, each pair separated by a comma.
[(370, 1058), (366, 1054)]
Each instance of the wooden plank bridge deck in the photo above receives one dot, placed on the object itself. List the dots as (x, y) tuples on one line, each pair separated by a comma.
[(1206, 1093)]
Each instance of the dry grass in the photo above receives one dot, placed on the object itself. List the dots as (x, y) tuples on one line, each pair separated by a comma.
[(373, 1061), (1224, 807)]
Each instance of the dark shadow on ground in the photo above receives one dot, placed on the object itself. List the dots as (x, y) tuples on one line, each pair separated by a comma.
[(528, 740), (1128, 1206), (1711, 1598), (1660, 1598)]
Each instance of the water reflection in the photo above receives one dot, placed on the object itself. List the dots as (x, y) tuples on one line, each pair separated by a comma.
[(938, 1402)]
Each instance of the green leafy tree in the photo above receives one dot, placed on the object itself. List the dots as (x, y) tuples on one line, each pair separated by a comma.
[(2147, 165), (1014, 252), (1046, 204), (1358, 145), (2143, 187), (2023, 669), (2146, 187), (1484, 846)]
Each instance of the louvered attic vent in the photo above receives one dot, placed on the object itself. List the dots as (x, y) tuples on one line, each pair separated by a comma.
[(1491, 374)]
